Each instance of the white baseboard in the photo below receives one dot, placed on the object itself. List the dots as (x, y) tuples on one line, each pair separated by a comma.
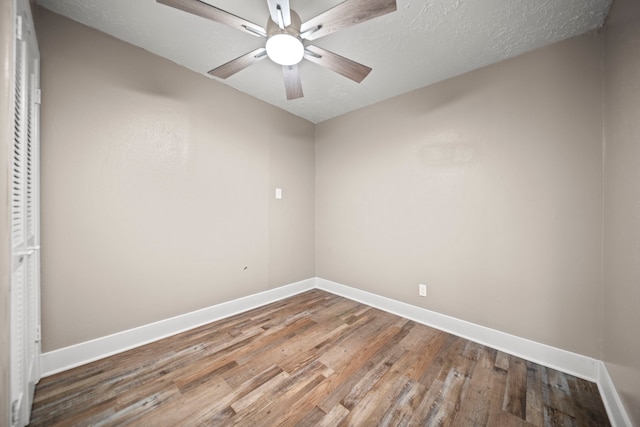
[(562, 360), (88, 351), (545, 355), (612, 402)]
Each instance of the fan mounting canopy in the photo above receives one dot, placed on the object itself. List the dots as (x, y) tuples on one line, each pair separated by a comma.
[(286, 37)]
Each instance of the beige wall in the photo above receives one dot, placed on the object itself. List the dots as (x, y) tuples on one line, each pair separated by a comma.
[(157, 188), (622, 203), (487, 187), (6, 87)]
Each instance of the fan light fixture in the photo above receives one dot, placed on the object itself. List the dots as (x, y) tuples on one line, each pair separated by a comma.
[(287, 37), (285, 49)]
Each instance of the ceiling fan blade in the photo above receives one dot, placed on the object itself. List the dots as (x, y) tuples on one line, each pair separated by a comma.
[(292, 83), (279, 10), (238, 64), (334, 62), (205, 10), (346, 14)]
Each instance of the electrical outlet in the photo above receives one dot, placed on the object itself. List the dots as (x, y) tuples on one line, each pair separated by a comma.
[(422, 290)]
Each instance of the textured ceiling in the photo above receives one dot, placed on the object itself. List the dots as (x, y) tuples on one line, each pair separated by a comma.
[(423, 42)]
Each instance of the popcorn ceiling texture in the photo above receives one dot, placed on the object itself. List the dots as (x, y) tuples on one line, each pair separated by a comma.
[(422, 43)]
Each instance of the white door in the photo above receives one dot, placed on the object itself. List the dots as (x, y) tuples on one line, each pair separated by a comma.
[(25, 224)]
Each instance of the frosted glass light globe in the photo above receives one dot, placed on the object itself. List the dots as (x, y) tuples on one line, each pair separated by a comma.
[(285, 49)]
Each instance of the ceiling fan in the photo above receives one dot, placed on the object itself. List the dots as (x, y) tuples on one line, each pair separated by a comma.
[(285, 37)]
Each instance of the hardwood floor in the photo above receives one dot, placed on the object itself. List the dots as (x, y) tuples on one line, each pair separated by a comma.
[(316, 359)]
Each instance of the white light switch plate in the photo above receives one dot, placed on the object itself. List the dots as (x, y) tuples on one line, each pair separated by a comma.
[(422, 290)]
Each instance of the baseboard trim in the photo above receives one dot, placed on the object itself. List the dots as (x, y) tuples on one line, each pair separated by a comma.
[(572, 363), (89, 351), (562, 360), (545, 355), (612, 402)]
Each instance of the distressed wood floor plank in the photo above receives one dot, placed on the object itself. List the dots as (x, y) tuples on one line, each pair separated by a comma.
[(334, 417), (534, 411), (315, 359), (345, 378), (474, 408), (515, 393)]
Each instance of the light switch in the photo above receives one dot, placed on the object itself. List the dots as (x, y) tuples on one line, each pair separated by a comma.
[(278, 193)]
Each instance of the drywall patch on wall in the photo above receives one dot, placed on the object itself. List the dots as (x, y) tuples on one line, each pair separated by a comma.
[(443, 151), (487, 187)]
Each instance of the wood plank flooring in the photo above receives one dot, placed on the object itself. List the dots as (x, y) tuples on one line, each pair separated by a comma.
[(316, 359)]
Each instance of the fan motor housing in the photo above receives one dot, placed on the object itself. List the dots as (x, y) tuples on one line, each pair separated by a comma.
[(293, 29)]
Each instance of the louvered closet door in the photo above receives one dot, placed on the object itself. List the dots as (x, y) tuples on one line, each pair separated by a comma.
[(25, 233)]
